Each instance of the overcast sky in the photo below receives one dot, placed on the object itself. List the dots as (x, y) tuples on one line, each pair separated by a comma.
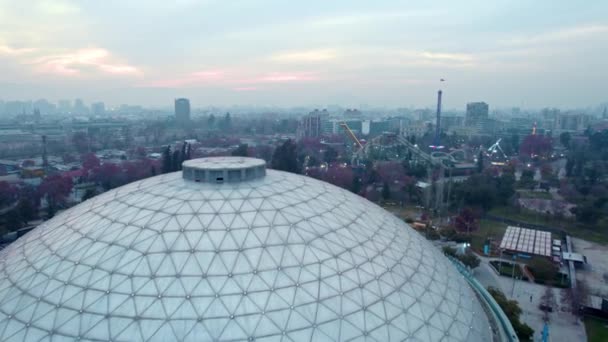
[(393, 53)]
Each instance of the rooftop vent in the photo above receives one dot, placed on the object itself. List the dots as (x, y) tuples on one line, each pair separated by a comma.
[(219, 170)]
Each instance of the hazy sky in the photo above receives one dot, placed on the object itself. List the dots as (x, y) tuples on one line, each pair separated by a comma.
[(508, 53)]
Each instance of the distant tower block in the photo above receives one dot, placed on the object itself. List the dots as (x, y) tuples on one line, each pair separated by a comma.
[(182, 111)]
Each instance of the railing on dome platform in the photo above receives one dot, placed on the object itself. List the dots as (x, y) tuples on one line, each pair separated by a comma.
[(508, 333)]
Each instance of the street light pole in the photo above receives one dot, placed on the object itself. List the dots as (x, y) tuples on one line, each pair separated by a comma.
[(500, 263), (513, 276)]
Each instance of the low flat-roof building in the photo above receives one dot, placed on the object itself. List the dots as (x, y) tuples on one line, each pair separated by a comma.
[(577, 258)]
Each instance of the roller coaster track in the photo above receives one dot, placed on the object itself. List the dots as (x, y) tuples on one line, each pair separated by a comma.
[(444, 161)]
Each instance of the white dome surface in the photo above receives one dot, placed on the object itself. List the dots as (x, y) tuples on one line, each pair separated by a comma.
[(281, 257)]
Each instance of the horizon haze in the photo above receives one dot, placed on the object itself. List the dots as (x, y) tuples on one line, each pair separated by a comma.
[(506, 53)]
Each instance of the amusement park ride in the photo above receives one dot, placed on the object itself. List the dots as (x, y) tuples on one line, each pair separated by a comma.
[(497, 158), (442, 164)]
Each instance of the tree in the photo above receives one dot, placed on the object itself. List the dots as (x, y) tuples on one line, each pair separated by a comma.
[(483, 190), (587, 212), (8, 194), (90, 161), (110, 176), (505, 188), (547, 301), (543, 269), (285, 157), (513, 311), (536, 145), (184, 154), (386, 191), (89, 193), (564, 139), (55, 189), (176, 161), (167, 165), (356, 186), (81, 142), (211, 121), (226, 123), (546, 172), (140, 152), (569, 167), (241, 151), (466, 221), (26, 210), (29, 201), (469, 259), (330, 155), (188, 152), (515, 142), (13, 220), (339, 176), (451, 251), (527, 179)]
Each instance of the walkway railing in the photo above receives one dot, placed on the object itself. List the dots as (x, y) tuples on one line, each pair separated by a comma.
[(508, 333)]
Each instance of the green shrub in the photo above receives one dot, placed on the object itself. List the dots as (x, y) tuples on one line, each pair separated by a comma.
[(469, 259), (513, 311), (447, 250)]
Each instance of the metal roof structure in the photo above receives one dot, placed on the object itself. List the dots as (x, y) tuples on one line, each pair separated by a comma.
[(527, 241), (272, 256), (576, 257)]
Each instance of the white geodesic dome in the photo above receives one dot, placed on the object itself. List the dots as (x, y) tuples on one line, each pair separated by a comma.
[(230, 251)]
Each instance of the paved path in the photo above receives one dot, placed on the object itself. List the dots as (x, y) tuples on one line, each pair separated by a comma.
[(563, 326)]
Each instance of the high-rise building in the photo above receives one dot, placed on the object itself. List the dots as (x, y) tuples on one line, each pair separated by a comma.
[(572, 121), (312, 125), (79, 107), (65, 106), (99, 108), (373, 128), (44, 106), (182, 111), (352, 113), (477, 112)]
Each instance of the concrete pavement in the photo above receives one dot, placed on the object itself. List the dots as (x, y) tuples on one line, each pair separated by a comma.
[(563, 326)]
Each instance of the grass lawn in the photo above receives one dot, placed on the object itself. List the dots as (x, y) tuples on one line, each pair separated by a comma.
[(597, 331), (403, 212), (593, 233), (507, 269), (487, 229), (535, 194)]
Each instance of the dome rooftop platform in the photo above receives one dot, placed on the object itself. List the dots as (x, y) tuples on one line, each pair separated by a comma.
[(223, 169)]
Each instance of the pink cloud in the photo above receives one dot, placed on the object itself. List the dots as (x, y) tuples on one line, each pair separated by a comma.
[(217, 77), (199, 77), (11, 51), (245, 88), (286, 77), (91, 60)]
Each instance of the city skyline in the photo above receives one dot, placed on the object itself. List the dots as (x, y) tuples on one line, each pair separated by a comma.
[(278, 54)]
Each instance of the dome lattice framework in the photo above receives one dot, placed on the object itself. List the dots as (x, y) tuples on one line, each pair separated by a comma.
[(283, 257)]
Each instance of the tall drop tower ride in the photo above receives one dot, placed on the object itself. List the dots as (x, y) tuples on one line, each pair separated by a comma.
[(437, 141)]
